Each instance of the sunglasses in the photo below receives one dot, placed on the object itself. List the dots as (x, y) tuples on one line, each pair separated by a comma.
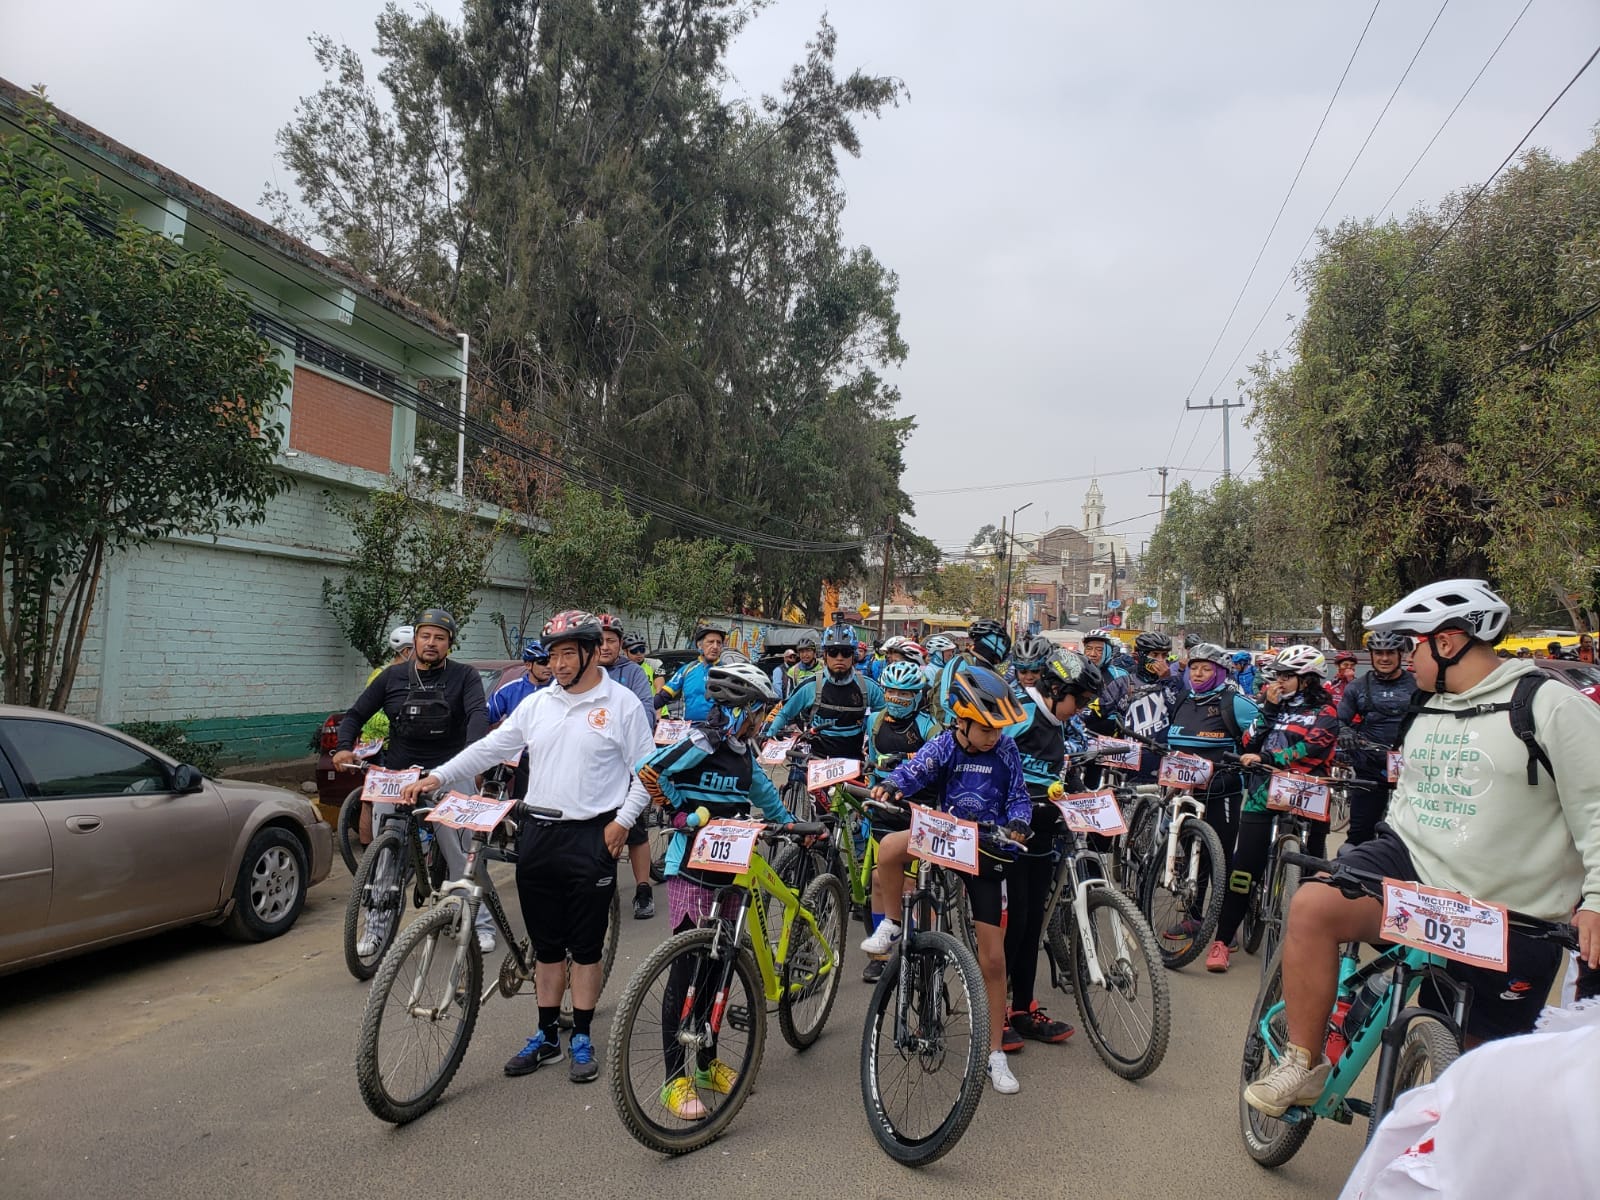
[(839, 652)]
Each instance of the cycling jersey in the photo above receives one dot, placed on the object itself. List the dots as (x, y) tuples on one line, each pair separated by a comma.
[(508, 695), (688, 683), (892, 740), (1144, 705), (432, 713), (1292, 736), (975, 787), (723, 777), (1042, 744), (1376, 706), (836, 709), (800, 674), (1211, 724), (1118, 665)]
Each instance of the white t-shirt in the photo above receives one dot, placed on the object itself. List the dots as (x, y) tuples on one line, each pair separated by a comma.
[(581, 751)]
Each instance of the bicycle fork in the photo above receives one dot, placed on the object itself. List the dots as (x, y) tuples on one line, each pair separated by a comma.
[(1183, 810), (687, 1035)]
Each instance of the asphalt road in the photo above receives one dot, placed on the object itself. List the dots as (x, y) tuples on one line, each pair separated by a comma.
[(188, 1066)]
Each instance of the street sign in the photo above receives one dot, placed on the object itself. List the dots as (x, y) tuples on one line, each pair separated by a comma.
[(1116, 620), (865, 610), (1113, 604)]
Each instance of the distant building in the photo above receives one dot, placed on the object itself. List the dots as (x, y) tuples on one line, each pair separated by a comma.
[(1071, 569)]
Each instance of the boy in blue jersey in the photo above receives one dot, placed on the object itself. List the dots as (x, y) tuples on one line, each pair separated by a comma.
[(710, 774), (512, 693), (972, 771)]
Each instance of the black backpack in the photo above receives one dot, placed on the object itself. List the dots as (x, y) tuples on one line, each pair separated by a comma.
[(1520, 706)]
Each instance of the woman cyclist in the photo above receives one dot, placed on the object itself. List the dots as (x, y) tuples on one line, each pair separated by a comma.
[(973, 771), (1028, 658), (712, 773), (1298, 732)]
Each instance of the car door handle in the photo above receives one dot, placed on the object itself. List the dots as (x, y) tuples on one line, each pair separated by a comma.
[(83, 824)]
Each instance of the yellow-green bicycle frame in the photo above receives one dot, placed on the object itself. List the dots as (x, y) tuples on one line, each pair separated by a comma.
[(759, 881)]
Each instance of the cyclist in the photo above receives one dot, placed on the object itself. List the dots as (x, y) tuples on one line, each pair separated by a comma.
[(1212, 721), (1101, 647), (976, 773), (835, 702), (988, 644), (435, 707), (940, 650), (1522, 828), (895, 732), (809, 664), (1372, 711), (1143, 702), (1244, 672), (582, 737), (512, 693), (1344, 674), (1297, 732), (1028, 658), (637, 649), (1063, 686), (712, 771), (688, 682), (631, 676)]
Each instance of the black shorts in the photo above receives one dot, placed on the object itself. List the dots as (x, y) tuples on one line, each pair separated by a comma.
[(639, 835), (1504, 1003), (983, 889), (565, 881)]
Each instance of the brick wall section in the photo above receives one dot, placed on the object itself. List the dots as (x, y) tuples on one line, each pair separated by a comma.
[(335, 421)]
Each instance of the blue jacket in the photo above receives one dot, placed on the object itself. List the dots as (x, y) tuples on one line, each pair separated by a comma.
[(1246, 679), (631, 676), (975, 787), (725, 779), (509, 695), (688, 683)]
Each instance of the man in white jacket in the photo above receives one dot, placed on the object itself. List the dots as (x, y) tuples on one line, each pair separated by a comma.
[(582, 737), (1474, 812)]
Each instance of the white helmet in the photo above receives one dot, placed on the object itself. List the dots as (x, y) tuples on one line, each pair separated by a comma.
[(739, 684), (939, 644), (1300, 660), (895, 645), (401, 637), (1465, 604)]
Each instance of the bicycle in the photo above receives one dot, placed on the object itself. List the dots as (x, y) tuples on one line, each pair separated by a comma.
[(695, 1010), (928, 1013), (1374, 1012), (1267, 911), (404, 855)]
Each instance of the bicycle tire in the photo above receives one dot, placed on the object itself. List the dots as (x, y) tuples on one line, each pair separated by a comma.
[(825, 899), (1123, 978), (1137, 851), (955, 914), (1428, 1049), (1196, 837), (388, 847), (1251, 928), (926, 953), (636, 1112), (1268, 1140), (433, 926), (348, 833), (1285, 882), (660, 838)]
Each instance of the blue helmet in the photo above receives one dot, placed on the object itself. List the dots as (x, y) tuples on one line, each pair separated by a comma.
[(903, 677), (1241, 659), (534, 651), (840, 635)]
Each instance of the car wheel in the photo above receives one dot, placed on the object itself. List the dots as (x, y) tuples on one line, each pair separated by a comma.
[(271, 888)]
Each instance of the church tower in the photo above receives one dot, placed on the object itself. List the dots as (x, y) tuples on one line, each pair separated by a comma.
[(1094, 509)]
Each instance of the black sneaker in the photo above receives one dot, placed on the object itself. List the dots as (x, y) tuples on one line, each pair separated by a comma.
[(644, 903), (1010, 1040), (584, 1067), (535, 1054), (1032, 1023), (874, 971)]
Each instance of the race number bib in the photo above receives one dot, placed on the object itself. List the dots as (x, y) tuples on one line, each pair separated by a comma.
[(823, 773), (1117, 752), (937, 837), (725, 846), (383, 787), (1299, 794), (1184, 771), (470, 812), (670, 732), (1092, 812), (367, 749), (775, 753), (1397, 760), (1444, 923)]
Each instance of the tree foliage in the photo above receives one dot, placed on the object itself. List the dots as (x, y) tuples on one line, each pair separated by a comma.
[(690, 579), (135, 403), (587, 556), (414, 549), (653, 273)]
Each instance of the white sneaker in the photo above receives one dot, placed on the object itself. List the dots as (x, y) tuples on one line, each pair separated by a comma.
[(486, 942), (883, 938), (1000, 1074), (367, 946), (1295, 1080)]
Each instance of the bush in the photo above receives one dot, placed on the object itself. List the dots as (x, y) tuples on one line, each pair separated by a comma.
[(172, 739)]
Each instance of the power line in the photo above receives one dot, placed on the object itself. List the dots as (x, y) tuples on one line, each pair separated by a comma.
[(1283, 204)]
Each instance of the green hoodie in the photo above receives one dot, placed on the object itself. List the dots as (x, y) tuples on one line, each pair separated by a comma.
[(1465, 810)]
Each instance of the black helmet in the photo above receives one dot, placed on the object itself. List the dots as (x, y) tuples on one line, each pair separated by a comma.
[(806, 641), (700, 631), (1067, 671), (1152, 643), (990, 641), (978, 694), (574, 625), (634, 642), (1191, 640), (1388, 639), (1031, 653), (439, 619)]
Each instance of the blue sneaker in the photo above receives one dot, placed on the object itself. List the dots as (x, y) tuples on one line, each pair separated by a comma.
[(535, 1054), (583, 1068)]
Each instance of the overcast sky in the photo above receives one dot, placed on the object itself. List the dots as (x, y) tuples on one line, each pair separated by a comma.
[(1072, 196)]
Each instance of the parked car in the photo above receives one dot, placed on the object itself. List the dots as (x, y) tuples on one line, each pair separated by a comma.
[(103, 840), (1570, 672)]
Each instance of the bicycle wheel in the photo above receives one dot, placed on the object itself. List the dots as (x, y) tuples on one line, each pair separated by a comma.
[(419, 1017), (660, 839), (1128, 1019), (377, 902), (1137, 849), (1427, 1050), (950, 898), (1285, 882), (1251, 929), (810, 974), (1184, 913), (348, 835), (1271, 1141), (671, 1024), (921, 1089)]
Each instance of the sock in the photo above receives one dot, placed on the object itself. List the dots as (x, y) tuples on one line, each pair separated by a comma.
[(877, 919), (550, 1022), (582, 1018)]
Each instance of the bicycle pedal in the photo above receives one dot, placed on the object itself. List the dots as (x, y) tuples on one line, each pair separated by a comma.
[(738, 1017), (1293, 1116)]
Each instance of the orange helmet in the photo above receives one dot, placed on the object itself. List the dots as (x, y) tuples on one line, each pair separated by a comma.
[(978, 694)]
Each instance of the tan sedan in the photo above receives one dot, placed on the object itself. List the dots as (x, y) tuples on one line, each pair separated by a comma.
[(103, 840)]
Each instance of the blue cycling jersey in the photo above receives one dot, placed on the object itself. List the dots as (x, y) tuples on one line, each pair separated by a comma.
[(509, 695), (723, 778), (975, 787), (688, 683)]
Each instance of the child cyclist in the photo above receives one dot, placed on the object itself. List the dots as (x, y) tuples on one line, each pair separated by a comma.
[(894, 733), (712, 773), (973, 771)]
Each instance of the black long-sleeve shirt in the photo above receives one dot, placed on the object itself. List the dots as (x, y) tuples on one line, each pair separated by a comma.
[(455, 684)]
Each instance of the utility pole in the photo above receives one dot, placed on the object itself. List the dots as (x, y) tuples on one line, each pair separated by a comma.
[(1006, 616), (1162, 471), (1227, 462), (1001, 557), (883, 595)]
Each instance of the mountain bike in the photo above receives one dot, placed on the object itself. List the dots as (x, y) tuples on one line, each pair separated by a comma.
[(691, 1026), (1377, 1010), (1267, 912)]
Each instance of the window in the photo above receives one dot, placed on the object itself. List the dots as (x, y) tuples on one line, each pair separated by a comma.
[(69, 760)]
